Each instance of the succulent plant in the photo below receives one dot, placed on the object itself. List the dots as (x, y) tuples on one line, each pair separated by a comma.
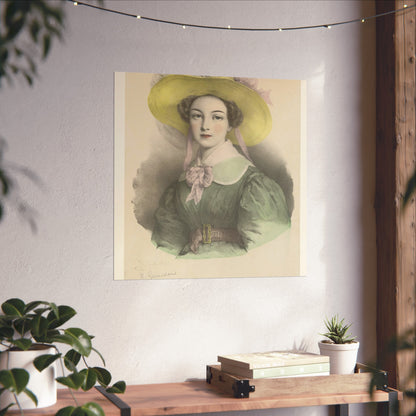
[(337, 331)]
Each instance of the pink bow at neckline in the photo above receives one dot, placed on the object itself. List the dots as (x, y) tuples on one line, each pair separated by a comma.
[(199, 177)]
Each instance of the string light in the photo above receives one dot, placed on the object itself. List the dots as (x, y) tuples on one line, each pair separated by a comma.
[(280, 29)]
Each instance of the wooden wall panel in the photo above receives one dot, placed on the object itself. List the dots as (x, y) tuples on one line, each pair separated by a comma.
[(395, 163)]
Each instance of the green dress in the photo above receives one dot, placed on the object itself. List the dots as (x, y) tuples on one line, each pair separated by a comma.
[(239, 197)]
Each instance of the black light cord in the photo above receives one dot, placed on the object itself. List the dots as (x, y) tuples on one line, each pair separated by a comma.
[(278, 29)]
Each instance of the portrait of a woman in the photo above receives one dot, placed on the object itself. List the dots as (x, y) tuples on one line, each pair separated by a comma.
[(222, 204)]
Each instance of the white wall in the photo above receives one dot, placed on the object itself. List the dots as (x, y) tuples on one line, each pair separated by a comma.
[(62, 129)]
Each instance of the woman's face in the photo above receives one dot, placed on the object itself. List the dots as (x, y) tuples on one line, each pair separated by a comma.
[(209, 122)]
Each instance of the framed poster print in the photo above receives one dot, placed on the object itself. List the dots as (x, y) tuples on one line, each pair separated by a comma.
[(209, 177)]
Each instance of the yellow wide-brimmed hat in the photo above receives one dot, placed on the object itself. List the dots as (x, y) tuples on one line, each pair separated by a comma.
[(166, 94)]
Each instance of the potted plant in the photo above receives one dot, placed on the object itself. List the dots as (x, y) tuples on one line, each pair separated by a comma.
[(341, 347), (34, 331)]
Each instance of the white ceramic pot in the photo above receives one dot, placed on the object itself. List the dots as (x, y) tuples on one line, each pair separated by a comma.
[(42, 384), (342, 357)]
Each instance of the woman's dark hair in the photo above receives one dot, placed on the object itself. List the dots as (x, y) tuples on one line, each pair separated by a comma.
[(234, 114)]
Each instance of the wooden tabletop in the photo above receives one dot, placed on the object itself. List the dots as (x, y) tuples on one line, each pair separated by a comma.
[(199, 397)]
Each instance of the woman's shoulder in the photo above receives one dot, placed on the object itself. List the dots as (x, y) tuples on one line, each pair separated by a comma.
[(258, 186), (259, 179), (231, 170)]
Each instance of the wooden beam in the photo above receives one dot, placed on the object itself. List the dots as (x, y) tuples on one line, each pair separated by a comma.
[(395, 163), (385, 186)]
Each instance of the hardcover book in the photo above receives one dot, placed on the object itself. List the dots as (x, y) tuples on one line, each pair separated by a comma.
[(256, 360), (282, 371)]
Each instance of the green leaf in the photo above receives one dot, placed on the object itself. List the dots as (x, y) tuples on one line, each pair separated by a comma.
[(51, 13), (10, 12), (18, 51), (46, 45), (14, 11), (6, 332), (54, 309), (44, 361), (93, 409), (5, 182), (31, 396), (77, 338), (34, 30), (28, 78), (39, 327), (32, 65), (15, 28), (13, 307), (90, 379), (33, 305), (22, 325), (71, 360), (410, 188), (73, 381), (4, 411), (410, 393), (51, 334), (98, 353), (65, 411), (6, 379), (22, 343), (406, 341), (117, 388), (14, 380), (59, 315), (103, 376), (88, 409), (4, 54)]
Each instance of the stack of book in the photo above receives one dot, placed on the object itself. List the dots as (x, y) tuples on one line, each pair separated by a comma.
[(275, 364)]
